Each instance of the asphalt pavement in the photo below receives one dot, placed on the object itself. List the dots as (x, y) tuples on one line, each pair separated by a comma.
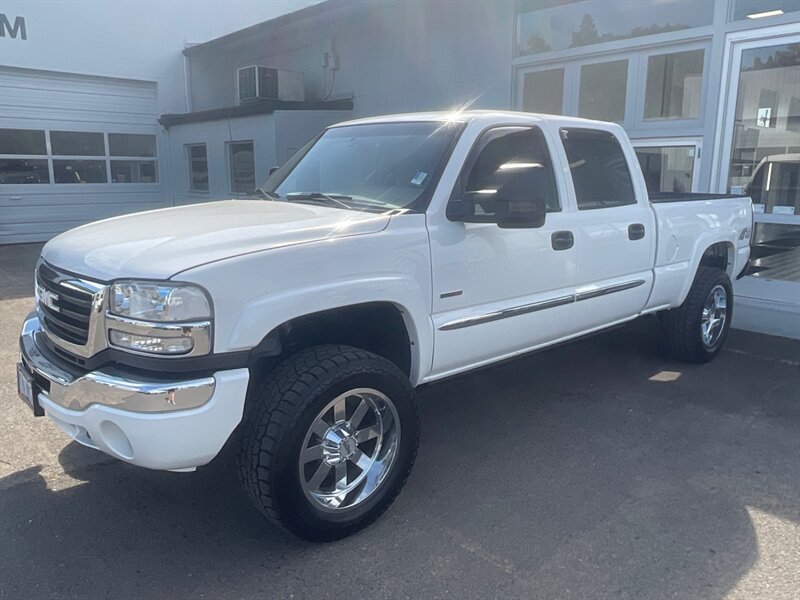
[(595, 470)]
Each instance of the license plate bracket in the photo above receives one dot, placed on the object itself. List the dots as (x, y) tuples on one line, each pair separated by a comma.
[(28, 390)]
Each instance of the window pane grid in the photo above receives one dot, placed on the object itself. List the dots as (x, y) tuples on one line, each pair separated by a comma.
[(76, 157)]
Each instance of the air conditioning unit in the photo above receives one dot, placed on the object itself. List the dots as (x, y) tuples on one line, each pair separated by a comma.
[(256, 82)]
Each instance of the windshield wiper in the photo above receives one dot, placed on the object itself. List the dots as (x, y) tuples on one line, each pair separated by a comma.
[(267, 195), (317, 196)]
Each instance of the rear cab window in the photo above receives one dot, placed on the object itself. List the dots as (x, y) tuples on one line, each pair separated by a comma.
[(600, 172)]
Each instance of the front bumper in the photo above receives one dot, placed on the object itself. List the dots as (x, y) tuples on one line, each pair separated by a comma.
[(152, 422)]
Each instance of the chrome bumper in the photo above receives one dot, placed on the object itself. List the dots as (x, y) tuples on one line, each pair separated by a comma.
[(69, 387)]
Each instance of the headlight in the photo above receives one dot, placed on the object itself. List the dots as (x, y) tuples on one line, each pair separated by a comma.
[(160, 302)]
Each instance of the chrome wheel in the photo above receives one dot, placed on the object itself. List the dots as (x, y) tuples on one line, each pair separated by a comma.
[(349, 449), (715, 312)]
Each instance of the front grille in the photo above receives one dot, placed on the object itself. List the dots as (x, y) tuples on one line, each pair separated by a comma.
[(64, 306)]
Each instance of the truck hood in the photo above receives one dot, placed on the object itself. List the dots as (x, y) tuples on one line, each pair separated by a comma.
[(161, 243)]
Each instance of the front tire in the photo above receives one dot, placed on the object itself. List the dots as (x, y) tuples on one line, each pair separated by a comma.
[(328, 441), (696, 330)]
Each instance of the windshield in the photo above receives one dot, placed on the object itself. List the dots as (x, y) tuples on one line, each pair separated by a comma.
[(380, 166)]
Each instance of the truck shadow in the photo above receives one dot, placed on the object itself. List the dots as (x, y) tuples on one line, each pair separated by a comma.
[(570, 474)]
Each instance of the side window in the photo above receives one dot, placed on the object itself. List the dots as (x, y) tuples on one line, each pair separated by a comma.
[(510, 161), (599, 170)]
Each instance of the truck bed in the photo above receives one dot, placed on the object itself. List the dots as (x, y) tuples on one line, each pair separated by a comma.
[(666, 197)]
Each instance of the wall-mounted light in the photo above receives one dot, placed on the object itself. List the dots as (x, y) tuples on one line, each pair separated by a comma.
[(769, 13)]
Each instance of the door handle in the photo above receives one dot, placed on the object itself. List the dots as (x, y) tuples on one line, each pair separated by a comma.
[(635, 231), (562, 240)]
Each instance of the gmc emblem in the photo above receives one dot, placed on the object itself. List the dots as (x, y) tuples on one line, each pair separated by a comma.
[(48, 299)]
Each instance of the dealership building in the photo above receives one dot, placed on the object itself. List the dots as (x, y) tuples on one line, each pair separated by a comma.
[(708, 90)]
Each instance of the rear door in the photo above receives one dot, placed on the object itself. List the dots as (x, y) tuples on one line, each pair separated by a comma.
[(614, 227)]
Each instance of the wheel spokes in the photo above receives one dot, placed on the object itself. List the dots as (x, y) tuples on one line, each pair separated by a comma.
[(361, 460), (368, 433), (319, 475), (359, 414), (340, 410), (311, 453)]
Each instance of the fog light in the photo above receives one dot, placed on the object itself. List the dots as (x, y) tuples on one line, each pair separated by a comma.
[(151, 344)]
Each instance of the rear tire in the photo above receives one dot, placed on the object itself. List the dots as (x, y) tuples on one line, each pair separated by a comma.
[(328, 441), (696, 330)]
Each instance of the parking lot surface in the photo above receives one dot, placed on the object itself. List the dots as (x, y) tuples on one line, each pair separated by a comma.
[(595, 470)]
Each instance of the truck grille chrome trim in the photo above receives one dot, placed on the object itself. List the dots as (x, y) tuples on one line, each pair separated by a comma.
[(70, 310), (75, 389), (537, 306)]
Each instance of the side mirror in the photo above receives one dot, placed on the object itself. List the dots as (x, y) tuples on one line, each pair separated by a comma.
[(514, 213)]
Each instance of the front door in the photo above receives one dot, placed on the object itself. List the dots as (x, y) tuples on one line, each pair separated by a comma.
[(498, 292)]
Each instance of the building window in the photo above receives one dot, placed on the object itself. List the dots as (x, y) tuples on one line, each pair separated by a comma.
[(667, 168), (550, 25), (603, 90), (673, 85), (79, 171), (760, 9), (242, 167), (198, 167), (23, 156), (131, 144), (77, 143), (600, 173), (133, 158), (76, 157), (543, 92)]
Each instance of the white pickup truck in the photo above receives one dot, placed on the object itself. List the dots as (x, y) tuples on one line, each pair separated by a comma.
[(387, 253)]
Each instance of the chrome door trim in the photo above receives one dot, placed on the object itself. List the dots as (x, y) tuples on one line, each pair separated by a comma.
[(604, 291), (537, 306), (507, 312)]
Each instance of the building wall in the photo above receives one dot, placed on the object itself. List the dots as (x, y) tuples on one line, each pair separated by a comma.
[(125, 38), (393, 56), (275, 137)]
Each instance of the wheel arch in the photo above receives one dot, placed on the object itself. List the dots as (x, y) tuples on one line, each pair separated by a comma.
[(719, 254), (382, 327)]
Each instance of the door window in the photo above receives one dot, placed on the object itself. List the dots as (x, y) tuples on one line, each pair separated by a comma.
[(599, 170), (506, 162)]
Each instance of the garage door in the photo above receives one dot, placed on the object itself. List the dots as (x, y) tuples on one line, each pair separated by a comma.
[(74, 149)]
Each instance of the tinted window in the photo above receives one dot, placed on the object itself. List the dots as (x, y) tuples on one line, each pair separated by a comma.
[(603, 90), (548, 25), (77, 143), (198, 168), (22, 141), (543, 91), (600, 173), (24, 170), (673, 85), (510, 161), (131, 144), (79, 171)]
